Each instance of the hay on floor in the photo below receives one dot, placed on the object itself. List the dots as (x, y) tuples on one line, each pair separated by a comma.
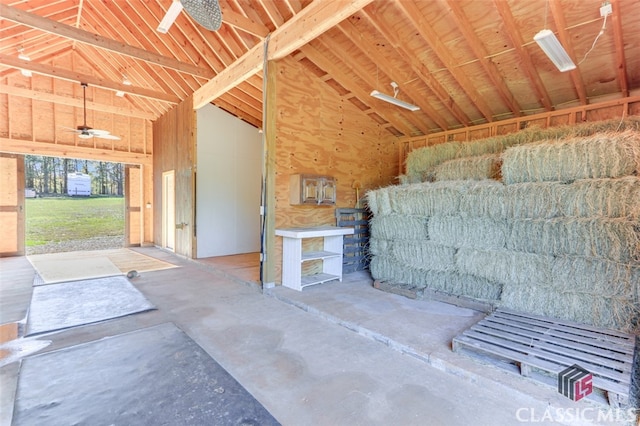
[(614, 239), (457, 231), (399, 227), (469, 168), (506, 267), (617, 313), (604, 155)]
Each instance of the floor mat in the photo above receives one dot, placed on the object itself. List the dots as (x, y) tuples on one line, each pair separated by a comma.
[(63, 305), (153, 376), (77, 265), (57, 269)]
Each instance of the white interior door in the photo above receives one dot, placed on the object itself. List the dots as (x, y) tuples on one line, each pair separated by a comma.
[(169, 209)]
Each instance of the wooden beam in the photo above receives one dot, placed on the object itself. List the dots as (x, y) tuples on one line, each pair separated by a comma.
[(67, 31), (420, 69), (65, 100), (242, 23), (513, 32), (385, 111), (621, 62), (415, 16), (368, 47), (565, 40), (476, 45), (84, 78), (311, 22), (28, 147)]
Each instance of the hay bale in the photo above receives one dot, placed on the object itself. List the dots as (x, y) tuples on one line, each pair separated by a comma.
[(384, 268), (604, 155), (399, 227), (615, 198), (469, 168), (387, 269), (427, 199), (533, 200), (485, 198), (596, 277), (424, 255), (478, 147), (506, 267), (617, 313), (421, 161), (457, 231), (379, 246), (378, 201), (613, 239)]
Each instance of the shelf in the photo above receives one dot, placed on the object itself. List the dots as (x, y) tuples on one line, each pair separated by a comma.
[(317, 279), (317, 255)]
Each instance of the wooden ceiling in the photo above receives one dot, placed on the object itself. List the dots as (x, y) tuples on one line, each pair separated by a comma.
[(463, 62)]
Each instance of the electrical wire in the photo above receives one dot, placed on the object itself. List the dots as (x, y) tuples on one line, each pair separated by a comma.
[(604, 25)]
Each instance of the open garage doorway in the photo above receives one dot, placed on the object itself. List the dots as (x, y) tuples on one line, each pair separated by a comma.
[(73, 205)]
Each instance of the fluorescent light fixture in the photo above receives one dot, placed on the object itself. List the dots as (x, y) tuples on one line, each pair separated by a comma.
[(26, 73), (24, 57), (393, 99), (170, 17), (550, 45), (126, 81), (120, 94)]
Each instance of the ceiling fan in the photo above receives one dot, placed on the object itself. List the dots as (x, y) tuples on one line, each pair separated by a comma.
[(86, 132), (205, 12)]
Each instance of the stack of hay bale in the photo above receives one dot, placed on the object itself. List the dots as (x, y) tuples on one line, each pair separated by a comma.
[(560, 236)]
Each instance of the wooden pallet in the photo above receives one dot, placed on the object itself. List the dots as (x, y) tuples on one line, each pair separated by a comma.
[(355, 256), (552, 345)]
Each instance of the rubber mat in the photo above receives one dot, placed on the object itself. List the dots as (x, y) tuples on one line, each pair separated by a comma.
[(70, 304), (154, 376)]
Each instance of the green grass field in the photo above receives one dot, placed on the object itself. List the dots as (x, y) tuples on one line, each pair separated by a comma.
[(66, 219)]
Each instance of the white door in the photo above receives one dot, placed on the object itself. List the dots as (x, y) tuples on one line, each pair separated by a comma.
[(168, 210)]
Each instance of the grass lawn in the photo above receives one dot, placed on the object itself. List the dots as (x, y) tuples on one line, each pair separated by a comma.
[(67, 218)]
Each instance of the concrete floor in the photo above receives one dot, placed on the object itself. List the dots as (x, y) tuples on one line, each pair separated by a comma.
[(334, 354)]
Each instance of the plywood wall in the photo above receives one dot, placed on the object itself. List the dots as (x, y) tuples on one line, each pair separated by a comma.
[(174, 149), (320, 132)]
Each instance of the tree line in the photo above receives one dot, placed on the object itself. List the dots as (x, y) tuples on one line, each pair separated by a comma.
[(48, 175)]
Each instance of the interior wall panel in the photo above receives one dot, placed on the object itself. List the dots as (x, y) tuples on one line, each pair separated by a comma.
[(319, 132)]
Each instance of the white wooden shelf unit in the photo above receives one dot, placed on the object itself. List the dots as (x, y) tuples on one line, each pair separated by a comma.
[(293, 256)]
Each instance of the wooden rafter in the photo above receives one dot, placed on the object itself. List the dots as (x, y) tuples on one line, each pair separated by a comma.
[(414, 15), (464, 25), (563, 35), (621, 63), (73, 102), (84, 78), (421, 71), (513, 32), (243, 23), (71, 33), (312, 21), (331, 67), (366, 45)]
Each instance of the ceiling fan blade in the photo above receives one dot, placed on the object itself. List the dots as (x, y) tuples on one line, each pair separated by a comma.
[(108, 136), (98, 132)]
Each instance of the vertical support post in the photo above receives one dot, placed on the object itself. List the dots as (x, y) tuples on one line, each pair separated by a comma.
[(269, 129)]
